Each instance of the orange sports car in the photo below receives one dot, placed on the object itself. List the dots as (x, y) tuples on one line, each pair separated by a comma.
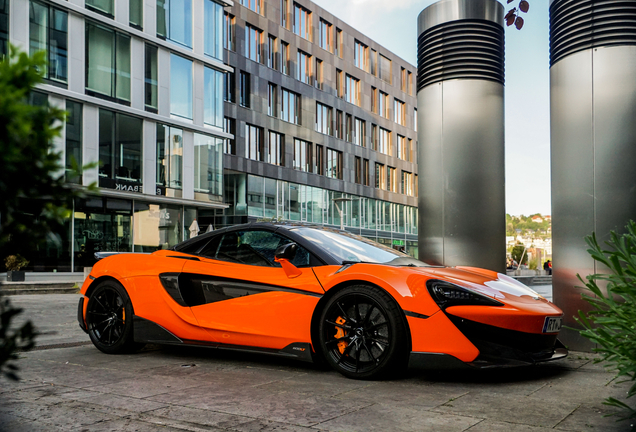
[(315, 294)]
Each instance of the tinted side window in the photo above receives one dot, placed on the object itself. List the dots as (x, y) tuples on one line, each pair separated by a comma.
[(256, 247)]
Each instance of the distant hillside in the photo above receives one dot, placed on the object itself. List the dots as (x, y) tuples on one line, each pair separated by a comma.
[(535, 225)]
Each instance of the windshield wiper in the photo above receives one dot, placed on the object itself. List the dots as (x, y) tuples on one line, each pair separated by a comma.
[(358, 262)]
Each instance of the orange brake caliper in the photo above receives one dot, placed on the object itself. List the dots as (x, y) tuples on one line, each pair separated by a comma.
[(340, 333)]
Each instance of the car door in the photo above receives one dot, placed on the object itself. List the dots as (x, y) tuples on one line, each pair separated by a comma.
[(246, 298)]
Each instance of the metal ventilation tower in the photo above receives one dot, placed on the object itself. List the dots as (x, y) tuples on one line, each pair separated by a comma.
[(593, 138), (460, 101)]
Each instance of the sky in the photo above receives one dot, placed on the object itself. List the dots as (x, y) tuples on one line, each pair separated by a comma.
[(393, 24)]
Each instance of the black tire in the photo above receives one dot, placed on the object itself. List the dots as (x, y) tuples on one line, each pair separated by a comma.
[(362, 333), (109, 319)]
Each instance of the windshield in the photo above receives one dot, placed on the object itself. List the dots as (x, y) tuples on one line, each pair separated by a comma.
[(350, 248)]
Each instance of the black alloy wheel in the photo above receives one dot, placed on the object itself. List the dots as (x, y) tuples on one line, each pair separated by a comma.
[(363, 334), (109, 319)]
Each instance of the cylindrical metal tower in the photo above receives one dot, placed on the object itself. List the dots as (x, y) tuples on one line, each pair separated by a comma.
[(460, 99), (593, 138)]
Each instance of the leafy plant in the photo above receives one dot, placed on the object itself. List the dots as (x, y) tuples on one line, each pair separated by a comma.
[(611, 323), (518, 253), (12, 339), (15, 262), (514, 15)]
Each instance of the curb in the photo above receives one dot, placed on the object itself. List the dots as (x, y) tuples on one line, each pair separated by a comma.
[(21, 288)]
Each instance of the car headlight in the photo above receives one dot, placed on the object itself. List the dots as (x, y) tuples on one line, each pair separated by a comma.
[(447, 294)]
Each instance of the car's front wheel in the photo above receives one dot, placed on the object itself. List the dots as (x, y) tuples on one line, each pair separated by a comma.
[(109, 319), (362, 333)]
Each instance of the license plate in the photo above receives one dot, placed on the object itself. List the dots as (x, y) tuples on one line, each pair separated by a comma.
[(552, 324)]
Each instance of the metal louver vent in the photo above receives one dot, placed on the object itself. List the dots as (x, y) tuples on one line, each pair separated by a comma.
[(577, 25), (462, 49)]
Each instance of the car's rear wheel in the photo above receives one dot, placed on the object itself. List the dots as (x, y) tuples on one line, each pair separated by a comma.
[(362, 333), (109, 319)]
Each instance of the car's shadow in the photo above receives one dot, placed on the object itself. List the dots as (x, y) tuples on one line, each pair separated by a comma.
[(237, 359)]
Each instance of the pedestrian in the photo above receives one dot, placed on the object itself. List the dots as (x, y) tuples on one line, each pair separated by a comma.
[(547, 266)]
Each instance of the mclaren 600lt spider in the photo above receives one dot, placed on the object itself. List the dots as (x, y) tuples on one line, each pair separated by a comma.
[(315, 293)]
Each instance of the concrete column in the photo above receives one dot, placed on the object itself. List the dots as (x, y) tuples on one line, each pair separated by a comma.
[(137, 73), (76, 53), (461, 134), (150, 157), (188, 164), (90, 142)]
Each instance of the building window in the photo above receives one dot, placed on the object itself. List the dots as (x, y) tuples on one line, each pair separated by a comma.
[(409, 151), (180, 86), (107, 63), (374, 137), (415, 185), (105, 7), (391, 181), (374, 100), (319, 75), (290, 111), (302, 155), (174, 21), (334, 164), (380, 176), (384, 142), (339, 43), (272, 52), (73, 137), (272, 100), (407, 183), (229, 91), (213, 97), (415, 119), (169, 157), (303, 71), (402, 150), (276, 153), (349, 128), (403, 84), (385, 69), (383, 105), (361, 56), (302, 22), (410, 83), (359, 132), (284, 58), (323, 118), (150, 78), (48, 31), (245, 85), (284, 10), (358, 170), (253, 43), (255, 5), (229, 126), (365, 172), (208, 167), (339, 124), (352, 90), (254, 148), (4, 28), (374, 62), (136, 13), (320, 160), (326, 36), (229, 35), (399, 112), (213, 29), (339, 83), (120, 151)]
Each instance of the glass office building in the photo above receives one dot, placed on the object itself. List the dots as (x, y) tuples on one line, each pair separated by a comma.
[(213, 113)]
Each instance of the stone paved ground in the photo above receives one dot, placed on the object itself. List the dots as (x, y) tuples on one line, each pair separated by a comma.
[(71, 387)]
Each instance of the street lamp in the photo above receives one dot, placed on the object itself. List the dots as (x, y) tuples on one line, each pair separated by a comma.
[(336, 201)]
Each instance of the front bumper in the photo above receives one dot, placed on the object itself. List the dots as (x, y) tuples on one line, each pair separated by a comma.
[(80, 314)]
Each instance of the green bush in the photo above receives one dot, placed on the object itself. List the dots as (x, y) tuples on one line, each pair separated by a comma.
[(517, 254), (611, 323)]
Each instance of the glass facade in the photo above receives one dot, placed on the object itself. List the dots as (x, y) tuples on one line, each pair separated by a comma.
[(180, 86), (120, 151), (48, 32), (4, 27), (174, 21), (169, 160), (107, 63), (208, 168), (136, 13), (150, 78), (73, 135), (213, 97), (106, 7), (213, 37)]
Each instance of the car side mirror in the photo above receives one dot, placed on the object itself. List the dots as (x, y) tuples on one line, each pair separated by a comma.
[(284, 255), (286, 251)]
